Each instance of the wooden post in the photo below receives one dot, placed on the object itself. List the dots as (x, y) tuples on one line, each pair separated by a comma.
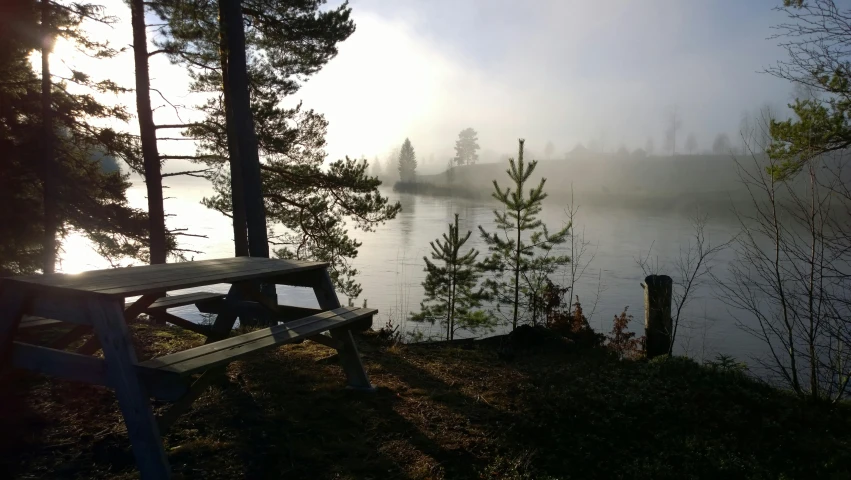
[(657, 314), (107, 318), (13, 305), (356, 376)]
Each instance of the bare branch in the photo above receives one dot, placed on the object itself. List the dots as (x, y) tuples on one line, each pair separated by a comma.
[(188, 173), (178, 125)]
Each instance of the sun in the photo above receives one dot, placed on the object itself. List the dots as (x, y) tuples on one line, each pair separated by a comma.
[(79, 256)]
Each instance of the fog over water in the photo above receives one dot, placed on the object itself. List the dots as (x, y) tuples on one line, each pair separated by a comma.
[(391, 260)]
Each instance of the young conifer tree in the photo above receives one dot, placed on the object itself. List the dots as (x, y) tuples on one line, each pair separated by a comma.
[(407, 162), (521, 250), (450, 292)]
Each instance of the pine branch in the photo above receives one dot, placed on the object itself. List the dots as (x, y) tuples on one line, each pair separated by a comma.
[(188, 173), (178, 125)]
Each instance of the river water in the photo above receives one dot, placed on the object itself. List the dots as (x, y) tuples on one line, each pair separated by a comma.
[(391, 261)]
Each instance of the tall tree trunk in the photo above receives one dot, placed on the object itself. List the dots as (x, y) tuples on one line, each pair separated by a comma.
[(517, 274), (240, 235), (243, 120), (51, 221), (148, 134)]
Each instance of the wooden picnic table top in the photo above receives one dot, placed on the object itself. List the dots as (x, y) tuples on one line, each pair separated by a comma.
[(141, 280)]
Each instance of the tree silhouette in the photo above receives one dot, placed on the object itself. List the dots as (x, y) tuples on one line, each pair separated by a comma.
[(407, 162), (722, 144), (466, 147), (691, 144)]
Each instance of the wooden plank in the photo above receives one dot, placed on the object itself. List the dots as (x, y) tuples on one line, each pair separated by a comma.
[(31, 323), (257, 334), (14, 303), (356, 376), (285, 313), (61, 364), (70, 337), (323, 288), (107, 317), (174, 301), (201, 280), (142, 276), (181, 322), (64, 279), (85, 369), (153, 278), (141, 305), (225, 351), (60, 307), (92, 345)]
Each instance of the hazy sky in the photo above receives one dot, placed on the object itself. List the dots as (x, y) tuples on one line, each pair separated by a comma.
[(566, 71), (559, 70)]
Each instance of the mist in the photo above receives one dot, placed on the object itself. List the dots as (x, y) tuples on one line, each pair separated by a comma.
[(604, 76)]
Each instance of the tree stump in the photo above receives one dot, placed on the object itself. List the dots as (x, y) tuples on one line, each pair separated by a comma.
[(657, 314)]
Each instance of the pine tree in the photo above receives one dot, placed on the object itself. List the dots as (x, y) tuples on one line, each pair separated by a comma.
[(310, 202), (407, 162), (450, 292), (157, 237), (84, 197), (466, 147), (520, 266)]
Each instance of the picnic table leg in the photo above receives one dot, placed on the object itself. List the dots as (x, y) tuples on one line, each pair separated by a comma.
[(356, 376), (219, 330), (107, 318), (13, 305), (92, 345)]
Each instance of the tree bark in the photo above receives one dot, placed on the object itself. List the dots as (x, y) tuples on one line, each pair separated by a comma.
[(51, 221), (243, 120), (148, 134), (240, 235)]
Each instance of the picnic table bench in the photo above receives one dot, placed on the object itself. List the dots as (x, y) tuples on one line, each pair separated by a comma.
[(95, 302)]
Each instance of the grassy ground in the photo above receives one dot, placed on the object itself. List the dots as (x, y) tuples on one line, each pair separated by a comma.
[(438, 413)]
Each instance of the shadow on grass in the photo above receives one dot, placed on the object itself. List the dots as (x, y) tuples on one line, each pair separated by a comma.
[(305, 424)]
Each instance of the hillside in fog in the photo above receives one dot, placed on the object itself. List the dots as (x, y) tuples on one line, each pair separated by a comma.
[(677, 182)]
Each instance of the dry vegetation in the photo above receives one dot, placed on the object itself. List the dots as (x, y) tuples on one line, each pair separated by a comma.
[(439, 413)]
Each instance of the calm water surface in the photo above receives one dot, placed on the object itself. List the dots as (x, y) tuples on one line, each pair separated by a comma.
[(391, 261)]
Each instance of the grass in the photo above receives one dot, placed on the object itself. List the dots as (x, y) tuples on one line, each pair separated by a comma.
[(438, 413)]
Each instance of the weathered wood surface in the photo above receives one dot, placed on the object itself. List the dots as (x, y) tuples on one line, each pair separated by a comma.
[(59, 307), (174, 301), (356, 376), (92, 345), (150, 279), (657, 314), (14, 303), (283, 313), (223, 352), (86, 369), (107, 317), (32, 323)]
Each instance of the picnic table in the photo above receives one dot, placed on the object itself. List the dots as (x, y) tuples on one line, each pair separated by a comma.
[(95, 302)]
